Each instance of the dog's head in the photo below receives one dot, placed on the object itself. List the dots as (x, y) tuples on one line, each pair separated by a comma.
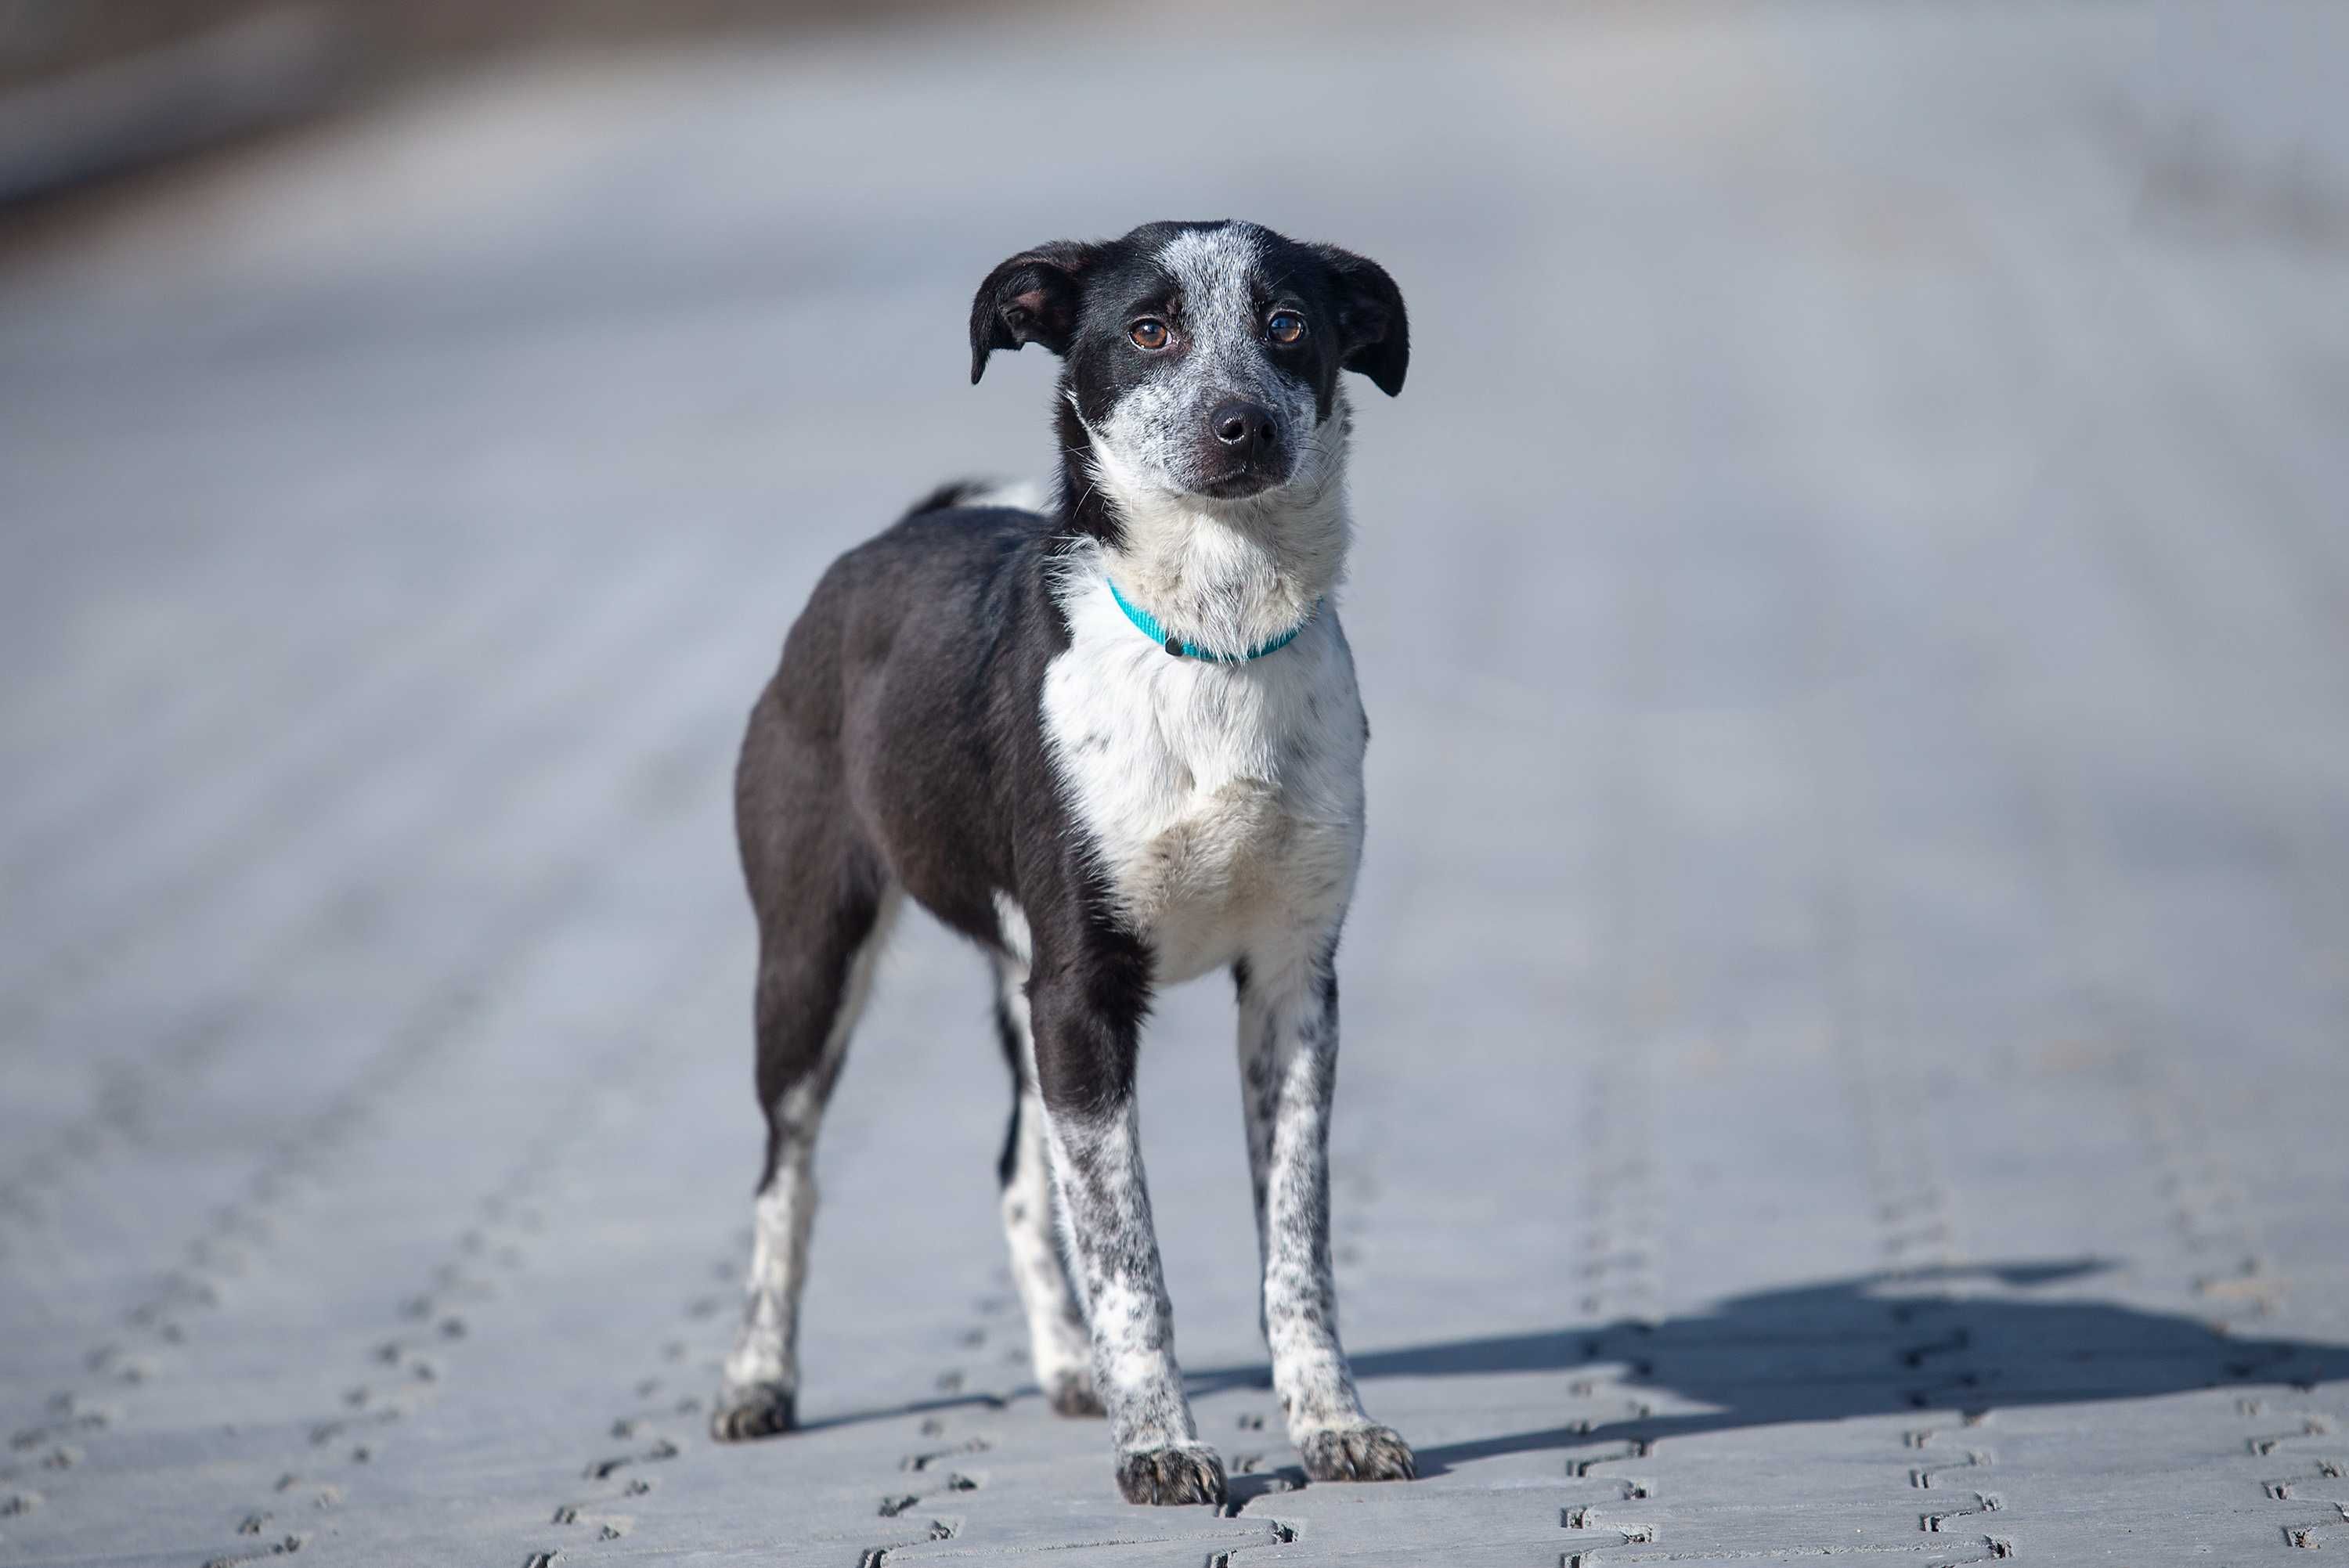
[(1202, 358)]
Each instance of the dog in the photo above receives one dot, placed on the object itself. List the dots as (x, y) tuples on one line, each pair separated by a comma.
[(1117, 744)]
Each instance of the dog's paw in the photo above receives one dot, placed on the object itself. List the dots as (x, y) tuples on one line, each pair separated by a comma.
[(1072, 1393), (1190, 1473), (1358, 1454), (760, 1410)]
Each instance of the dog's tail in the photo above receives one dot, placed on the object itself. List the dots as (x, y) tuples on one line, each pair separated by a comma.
[(1022, 497)]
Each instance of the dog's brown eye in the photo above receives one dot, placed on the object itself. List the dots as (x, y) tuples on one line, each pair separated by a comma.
[(1148, 334), (1286, 326)]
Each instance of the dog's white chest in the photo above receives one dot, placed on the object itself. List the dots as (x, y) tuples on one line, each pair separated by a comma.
[(1225, 800)]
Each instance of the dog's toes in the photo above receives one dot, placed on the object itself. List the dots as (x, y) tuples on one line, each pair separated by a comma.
[(1072, 1395), (1358, 1454), (762, 1410), (1164, 1476)]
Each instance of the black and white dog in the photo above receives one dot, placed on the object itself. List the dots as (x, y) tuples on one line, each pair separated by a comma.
[(1118, 745)]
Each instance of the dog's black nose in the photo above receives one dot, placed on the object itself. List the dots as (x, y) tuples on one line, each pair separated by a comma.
[(1245, 427)]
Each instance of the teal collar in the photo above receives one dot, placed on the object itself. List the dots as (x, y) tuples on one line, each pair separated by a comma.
[(1183, 650)]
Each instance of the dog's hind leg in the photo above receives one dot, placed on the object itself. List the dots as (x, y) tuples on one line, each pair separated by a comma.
[(1056, 1317), (818, 943), (1288, 1066)]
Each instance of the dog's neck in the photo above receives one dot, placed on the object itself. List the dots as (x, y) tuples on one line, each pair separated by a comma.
[(1226, 575)]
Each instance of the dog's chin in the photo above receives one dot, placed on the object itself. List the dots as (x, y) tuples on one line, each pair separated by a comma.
[(1244, 485)]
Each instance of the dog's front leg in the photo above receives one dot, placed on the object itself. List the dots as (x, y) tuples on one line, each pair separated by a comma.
[(1084, 1060), (1289, 1065)]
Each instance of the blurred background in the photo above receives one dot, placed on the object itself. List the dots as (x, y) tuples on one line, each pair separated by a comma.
[(1845, 1003)]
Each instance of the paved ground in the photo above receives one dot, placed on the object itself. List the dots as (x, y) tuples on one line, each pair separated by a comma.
[(1845, 1009)]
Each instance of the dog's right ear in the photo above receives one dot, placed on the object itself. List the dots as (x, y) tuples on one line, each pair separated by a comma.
[(1031, 298)]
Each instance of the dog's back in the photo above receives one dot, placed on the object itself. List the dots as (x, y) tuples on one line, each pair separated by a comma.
[(875, 733)]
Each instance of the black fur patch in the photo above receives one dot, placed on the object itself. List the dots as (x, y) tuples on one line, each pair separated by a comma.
[(902, 736), (947, 496)]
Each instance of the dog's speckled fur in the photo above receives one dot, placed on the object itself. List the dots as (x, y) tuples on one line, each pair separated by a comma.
[(965, 714)]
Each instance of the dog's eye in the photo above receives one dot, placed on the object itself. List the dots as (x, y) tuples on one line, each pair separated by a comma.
[(1148, 334), (1286, 326)]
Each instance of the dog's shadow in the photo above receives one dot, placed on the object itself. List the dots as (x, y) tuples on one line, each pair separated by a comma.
[(1875, 1344), (1881, 1343)]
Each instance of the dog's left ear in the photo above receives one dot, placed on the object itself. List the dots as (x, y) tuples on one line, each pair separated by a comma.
[(1031, 298), (1370, 318)]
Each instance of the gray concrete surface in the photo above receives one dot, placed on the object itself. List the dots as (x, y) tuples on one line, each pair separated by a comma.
[(1845, 1009)]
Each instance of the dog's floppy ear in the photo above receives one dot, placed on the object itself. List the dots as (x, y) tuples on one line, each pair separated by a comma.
[(1031, 298), (1370, 318)]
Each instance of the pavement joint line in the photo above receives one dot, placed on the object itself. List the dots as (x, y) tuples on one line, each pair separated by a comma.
[(2203, 1206), (1989, 1549), (643, 1055), (1278, 1533), (309, 800), (2305, 1534), (287, 723), (216, 1030), (511, 1219), (1914, 1198), (120, 1112), (1622, 1228), (992, 1309), (2206, 1213), (332, 767), (428, 1031), (457, 1286), (204, 1279)]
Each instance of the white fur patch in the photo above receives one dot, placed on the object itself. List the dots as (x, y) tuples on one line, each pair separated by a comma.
[(1011, 929), (1225, 801), (1056, 1336), (1026, 495), (1230, 574), (767, 1350), (1288, 1047), (1098, 1167)]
